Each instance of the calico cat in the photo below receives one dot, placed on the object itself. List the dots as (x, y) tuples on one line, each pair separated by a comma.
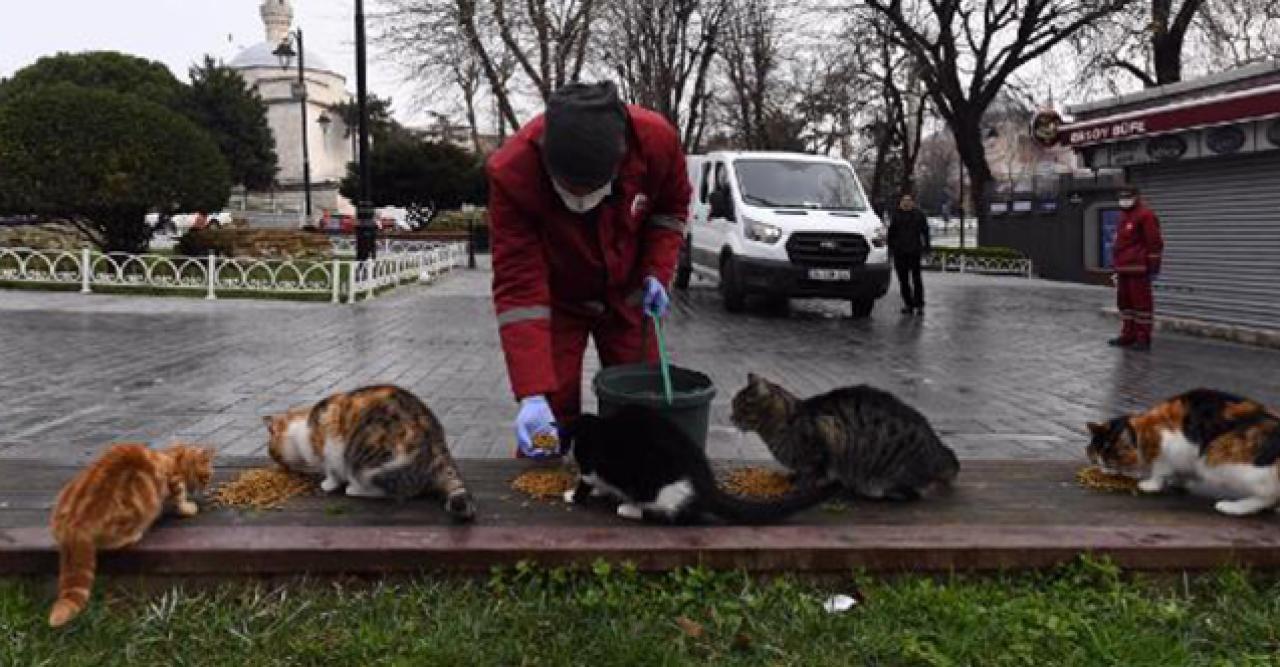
[(377, 441), (111, 503), (868, 440), (1212, 443), (640, 458)]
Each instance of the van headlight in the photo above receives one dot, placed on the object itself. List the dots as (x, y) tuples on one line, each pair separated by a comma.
[(878, 238), (761, 232)]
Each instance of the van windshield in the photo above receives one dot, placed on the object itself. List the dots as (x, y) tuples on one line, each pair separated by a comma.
[(796, 184)]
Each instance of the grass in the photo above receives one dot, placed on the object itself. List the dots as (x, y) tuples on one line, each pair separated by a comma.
[(1086, 614)]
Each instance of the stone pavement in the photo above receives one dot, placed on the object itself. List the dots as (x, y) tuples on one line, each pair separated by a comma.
[(1004, 367)]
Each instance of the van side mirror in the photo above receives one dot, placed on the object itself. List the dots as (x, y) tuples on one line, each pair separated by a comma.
[(721, 204)]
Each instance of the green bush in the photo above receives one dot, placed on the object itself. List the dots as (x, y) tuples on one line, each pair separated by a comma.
[(201, 242), (457, 220), (107, 158)]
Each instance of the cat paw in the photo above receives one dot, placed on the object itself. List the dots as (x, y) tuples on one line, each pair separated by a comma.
[(460, 506), (357, 491), (329, 485), (629, 511), (1152, 485), (571, 496), (1242, 507), (188, 508)]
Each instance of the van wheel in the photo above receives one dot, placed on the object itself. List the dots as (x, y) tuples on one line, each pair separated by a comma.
[(863, 307), (684, 267), (735, 300)]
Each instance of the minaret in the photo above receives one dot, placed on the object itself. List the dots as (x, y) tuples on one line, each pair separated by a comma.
[(277, 16)]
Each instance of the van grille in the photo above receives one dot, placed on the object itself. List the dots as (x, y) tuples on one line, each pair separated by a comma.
[(821, 249)]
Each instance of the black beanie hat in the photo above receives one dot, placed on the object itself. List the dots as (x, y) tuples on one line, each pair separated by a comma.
[(585, 135)]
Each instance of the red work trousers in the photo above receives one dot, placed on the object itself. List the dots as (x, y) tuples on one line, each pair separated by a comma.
[(1133, 297), (618, 334)]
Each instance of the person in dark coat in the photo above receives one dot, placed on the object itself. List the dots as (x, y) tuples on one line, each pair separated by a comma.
[(908, 241)]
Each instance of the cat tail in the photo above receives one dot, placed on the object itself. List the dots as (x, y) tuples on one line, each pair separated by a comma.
[(715, 500), (77, 563)]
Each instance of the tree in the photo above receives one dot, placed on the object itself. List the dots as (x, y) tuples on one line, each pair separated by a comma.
[(217, 100), (1238, 33), (108, 70), (430, 43), (966, 50), (1152, 40), (1145, 40), (383, 128), (103, 159), (661, 52), (750, 53), (421, 176), (220, 102)]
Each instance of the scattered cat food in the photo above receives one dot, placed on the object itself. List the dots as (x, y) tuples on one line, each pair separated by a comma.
[(547, 442), (1092, 477), (544, 483), (262, 489), (755, 482)]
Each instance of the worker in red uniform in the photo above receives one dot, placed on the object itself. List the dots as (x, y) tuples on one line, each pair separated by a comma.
[(1135, 258), (587, 211)]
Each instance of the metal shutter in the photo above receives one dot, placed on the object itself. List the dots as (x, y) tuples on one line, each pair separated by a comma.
[(1221, 225)]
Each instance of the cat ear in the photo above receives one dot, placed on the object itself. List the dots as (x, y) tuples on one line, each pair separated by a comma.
[(752, 378), (269, 421), (1097, 429)]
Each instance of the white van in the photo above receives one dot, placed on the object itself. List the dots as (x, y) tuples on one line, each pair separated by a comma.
[(783, 225)]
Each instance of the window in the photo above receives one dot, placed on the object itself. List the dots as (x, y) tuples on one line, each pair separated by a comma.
[(799, 184)]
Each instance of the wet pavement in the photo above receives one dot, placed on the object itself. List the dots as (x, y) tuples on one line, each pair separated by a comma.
[(1006, 368)]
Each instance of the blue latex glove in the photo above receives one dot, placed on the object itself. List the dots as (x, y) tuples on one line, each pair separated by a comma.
[(535, 418), (656, 300)]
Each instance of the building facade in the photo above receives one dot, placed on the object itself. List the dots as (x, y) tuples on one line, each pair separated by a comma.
[(1206, 155), (328, 138)]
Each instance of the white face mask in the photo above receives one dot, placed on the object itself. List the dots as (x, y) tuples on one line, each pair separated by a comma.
[(582, 203), (1126, 202)]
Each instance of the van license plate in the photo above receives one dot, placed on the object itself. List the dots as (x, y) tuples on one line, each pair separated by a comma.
[(830, 274)]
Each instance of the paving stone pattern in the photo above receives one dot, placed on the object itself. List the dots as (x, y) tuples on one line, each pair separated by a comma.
[(1005, 367)]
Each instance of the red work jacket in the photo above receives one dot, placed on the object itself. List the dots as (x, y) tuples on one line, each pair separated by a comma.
[(1138, 246), (546, 256)]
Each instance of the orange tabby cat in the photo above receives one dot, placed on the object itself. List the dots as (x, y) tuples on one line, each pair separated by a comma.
[(110, 504)]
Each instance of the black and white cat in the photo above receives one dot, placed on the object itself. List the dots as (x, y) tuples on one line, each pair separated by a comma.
[(640, 458)]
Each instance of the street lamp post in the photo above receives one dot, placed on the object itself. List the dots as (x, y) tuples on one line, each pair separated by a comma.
[(286, 53), (962, 204), (366, 232)]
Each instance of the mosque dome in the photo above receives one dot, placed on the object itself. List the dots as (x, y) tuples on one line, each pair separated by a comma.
[(277, 16)]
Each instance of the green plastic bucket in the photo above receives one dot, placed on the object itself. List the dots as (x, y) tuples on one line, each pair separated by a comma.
[(641, 384)]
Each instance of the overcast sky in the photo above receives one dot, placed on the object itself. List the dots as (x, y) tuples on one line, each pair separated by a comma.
[(179, 32)]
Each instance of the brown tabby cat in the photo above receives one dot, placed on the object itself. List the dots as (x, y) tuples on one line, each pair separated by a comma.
[(377, 441), (1212, 443), (868, 440), (111, 503)]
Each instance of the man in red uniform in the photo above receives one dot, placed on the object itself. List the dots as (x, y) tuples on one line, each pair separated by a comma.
[(1135, 258), (587, 210)]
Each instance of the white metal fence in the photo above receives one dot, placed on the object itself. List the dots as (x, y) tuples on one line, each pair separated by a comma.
[(342, 280), (962, 263), (346, 247)]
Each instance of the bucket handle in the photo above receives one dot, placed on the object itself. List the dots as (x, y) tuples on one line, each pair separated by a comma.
[(662, 359)]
